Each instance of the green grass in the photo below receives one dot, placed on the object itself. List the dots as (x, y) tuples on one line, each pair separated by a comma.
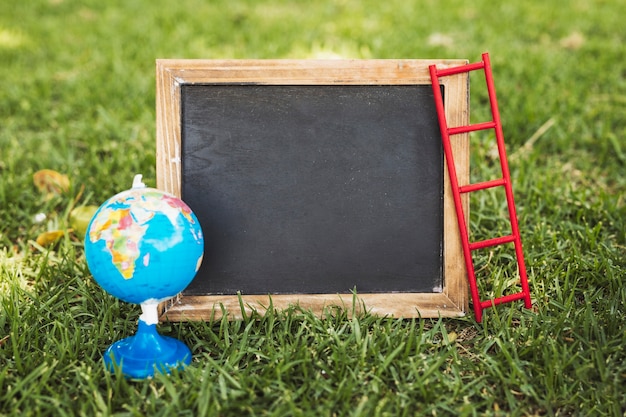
[(77, 95)]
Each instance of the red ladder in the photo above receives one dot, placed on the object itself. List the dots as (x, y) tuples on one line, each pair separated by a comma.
[(457, 190)]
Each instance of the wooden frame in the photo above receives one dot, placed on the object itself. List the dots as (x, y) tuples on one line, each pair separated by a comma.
[(452, 301)]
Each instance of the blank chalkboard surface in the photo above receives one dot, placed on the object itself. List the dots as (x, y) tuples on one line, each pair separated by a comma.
[(308, 187), (314, 188)]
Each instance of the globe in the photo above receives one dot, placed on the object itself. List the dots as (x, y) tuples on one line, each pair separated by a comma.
[(144, 244)]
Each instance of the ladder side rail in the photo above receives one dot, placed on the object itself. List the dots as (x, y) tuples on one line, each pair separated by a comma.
[(507, 179), (467, 253)]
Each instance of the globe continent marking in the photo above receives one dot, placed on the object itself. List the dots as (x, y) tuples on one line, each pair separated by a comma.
[(137, 228)]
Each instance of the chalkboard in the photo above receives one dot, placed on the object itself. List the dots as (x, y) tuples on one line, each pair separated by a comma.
[(310, 186)]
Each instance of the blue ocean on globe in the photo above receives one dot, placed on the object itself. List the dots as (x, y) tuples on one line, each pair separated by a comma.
[(144, 244)]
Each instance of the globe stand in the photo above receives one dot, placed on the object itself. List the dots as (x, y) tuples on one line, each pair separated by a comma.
[(147, 352)]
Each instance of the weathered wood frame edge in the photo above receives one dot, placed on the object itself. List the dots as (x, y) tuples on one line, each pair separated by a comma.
[(171, 74)]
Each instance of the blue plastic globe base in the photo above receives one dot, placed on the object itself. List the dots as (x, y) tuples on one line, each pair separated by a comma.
[(146, 353)]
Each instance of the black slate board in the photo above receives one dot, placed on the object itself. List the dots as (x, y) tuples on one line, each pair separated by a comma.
[(314, 189)]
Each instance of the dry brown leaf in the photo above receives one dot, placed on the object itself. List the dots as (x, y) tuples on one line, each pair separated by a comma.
[(51, 182), (573, 41), (50, 237)]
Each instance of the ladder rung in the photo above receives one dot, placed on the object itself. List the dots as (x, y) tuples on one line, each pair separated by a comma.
[(482, 185), (471, 128), (503, 299), (491, 242), (462, 68)]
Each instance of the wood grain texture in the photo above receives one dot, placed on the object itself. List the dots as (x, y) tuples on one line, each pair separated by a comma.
[(172, 74)]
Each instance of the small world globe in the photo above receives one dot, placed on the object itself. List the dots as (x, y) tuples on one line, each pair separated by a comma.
[(144, 245)]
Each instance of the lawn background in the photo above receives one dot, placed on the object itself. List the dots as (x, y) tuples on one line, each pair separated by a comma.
[(77, 95)]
